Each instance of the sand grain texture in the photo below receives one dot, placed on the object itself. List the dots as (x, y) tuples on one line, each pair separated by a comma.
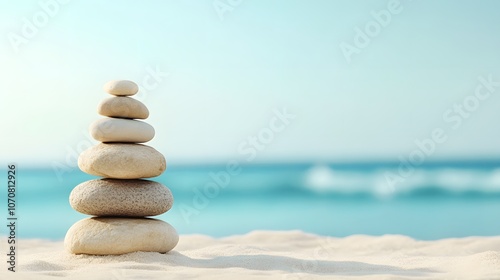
[(272, 255)]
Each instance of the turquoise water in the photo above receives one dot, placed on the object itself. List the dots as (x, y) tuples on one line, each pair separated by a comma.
[(435, 201)]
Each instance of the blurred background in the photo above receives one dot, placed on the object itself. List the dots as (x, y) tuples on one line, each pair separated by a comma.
[(330, 117)]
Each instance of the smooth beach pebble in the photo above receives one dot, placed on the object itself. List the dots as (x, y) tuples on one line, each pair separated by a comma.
[(116, 236), (113, 197), (121, 87), (121, 130), (123, 107), (122, 161)]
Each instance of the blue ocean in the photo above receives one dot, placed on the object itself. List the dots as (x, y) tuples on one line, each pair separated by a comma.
[(433, 201)]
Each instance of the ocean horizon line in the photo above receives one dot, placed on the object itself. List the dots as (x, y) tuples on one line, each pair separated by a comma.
[(451, 163)]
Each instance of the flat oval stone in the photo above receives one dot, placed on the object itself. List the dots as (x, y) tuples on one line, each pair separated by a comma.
[(123, 107), (121, 87), (122, 161), (113, 197), (116, 236), (121, 130)]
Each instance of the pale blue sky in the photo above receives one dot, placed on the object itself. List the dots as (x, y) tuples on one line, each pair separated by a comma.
[(226, 77)]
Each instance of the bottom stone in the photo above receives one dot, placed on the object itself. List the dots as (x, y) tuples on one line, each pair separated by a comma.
[(115, 236)]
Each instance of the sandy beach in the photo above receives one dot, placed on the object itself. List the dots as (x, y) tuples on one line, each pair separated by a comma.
[(272, 255)]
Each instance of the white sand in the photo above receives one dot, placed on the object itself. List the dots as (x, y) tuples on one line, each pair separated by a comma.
[(272, 255)]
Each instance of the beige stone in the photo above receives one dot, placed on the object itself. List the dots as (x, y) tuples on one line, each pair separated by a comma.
[(121, 87), (116, 236), (122, 161), (123, 107), (121, 130), (113, 197)]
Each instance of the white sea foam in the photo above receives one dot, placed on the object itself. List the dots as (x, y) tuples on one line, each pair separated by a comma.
[(325, 179)]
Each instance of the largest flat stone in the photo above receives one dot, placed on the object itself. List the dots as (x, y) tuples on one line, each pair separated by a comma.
[(114, 197), (122, 161), (116, 236)]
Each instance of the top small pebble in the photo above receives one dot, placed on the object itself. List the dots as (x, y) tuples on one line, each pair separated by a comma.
[(121, 88)]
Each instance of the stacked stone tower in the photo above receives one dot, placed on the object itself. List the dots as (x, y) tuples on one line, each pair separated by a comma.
[(122, 199)]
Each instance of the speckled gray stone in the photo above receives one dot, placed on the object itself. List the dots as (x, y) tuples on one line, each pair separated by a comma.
[(113, 197), (116, 236), (122, 161)]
